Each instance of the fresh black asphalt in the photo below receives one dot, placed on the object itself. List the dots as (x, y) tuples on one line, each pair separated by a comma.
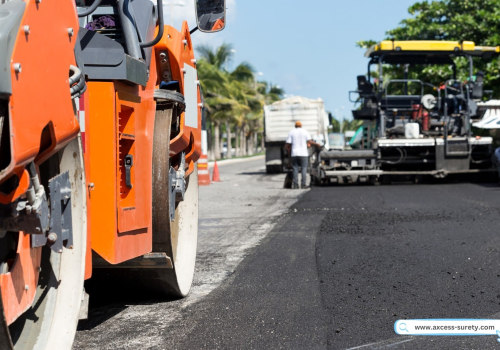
[(407, 251), (272, 300), (346, 262)]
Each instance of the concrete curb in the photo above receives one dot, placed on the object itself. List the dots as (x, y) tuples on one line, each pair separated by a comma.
[(236, 160)]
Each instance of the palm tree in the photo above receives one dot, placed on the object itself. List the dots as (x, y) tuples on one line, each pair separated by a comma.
[(243, 80), (226, 92), (214, 80), (271, 93), (234, 99), (219, 58)]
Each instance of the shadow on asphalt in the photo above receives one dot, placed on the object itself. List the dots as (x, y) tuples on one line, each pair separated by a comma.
[(488, 181), (112, 293), (98, 316)]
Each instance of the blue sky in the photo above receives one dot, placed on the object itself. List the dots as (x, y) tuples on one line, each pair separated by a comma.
[(307, 48)]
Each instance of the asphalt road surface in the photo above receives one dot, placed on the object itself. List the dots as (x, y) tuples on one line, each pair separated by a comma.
[(331, 267)]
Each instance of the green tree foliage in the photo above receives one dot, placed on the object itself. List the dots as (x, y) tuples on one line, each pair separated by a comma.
[(470, 20), (218, 58), (271, 93), (234, 100), (344, 125), (473, 20)]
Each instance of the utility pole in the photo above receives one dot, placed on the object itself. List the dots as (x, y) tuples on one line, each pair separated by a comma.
[(342, 120)]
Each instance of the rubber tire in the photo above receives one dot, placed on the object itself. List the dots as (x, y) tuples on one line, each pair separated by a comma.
[(52, 321), (315, 181), (374, 181), (179, 237)]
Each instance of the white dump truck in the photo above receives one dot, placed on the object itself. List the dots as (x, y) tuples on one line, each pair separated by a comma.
[(280, 118)]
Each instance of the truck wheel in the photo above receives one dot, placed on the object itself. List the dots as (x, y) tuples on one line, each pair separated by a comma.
[(51, 320), (273, 169), (315, 181), (177, 238), (374, 180)]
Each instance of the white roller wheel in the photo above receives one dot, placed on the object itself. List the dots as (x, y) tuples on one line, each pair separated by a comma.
[(184, 235), (52, 320), (177, 238)]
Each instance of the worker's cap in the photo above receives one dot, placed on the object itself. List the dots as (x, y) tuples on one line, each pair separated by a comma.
[(298, 124)]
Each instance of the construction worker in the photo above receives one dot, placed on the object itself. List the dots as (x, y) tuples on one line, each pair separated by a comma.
[(296, 144)]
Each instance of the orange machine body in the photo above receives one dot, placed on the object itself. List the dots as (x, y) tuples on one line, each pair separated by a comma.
[(39, 136), (41, 120), (119, 121)]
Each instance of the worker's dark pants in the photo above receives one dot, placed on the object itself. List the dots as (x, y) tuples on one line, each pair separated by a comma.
[(496, 161), (296, 163)]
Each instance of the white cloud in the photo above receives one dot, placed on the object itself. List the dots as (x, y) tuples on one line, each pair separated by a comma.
[(176, 11)]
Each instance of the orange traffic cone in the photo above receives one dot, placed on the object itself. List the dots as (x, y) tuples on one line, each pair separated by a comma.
[(203, 174), (215, 173)]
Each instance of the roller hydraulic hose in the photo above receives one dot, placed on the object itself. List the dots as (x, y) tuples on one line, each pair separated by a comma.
[(76, 82), (159, 7)]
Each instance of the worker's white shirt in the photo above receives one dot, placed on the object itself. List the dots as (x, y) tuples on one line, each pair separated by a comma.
[(298, 138)]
